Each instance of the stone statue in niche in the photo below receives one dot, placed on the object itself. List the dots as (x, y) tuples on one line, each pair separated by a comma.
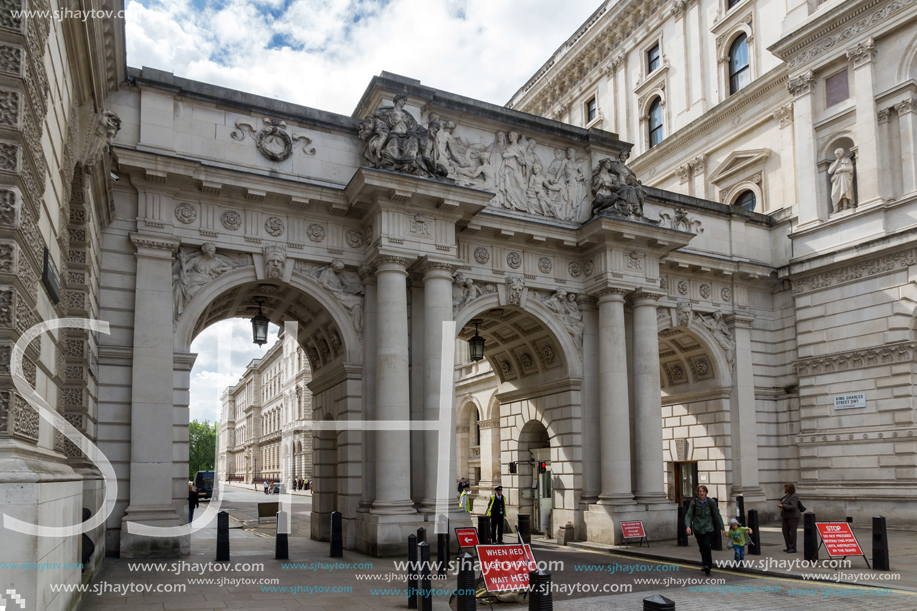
[(345, 286), (107, 126), (615, 187), (841, 172), (191, 271), (275, 258), (566, 309), (395, 141), (717, 327)]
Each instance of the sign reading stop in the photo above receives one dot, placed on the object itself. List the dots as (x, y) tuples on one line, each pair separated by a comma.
[(839, 540), (466, 537)]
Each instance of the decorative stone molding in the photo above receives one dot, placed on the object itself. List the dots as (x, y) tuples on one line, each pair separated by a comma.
[(493, 423), (186, 213), (883, 115), (315, 232), (231, 220), (907, 106), (272, 140), (98, 141), (514, 260), (802, 84), (193, 270), (784, 115), (274, 226), (854, 271), (354, 238), (857, 359), (545, 265), (275, 258), (514, 287), (574, 269), (481, 255), (863, 53), (680, 221), (717, 327), (566, 310)]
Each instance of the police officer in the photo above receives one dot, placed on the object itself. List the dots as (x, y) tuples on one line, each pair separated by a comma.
[(463, 499), (496, 509)]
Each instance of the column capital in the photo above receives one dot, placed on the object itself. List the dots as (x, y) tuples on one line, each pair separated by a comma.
[(743, 321), (645, 295), (862, 54), (367, 273), (391, 263), (155, 246), (802, 84), (434, 268), (611, 294), (906, 107)]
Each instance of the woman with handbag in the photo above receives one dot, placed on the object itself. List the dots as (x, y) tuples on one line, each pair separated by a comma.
[(703, 520), (790, 510)]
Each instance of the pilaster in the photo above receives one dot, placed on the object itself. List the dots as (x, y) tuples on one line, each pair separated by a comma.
[(867, 128)]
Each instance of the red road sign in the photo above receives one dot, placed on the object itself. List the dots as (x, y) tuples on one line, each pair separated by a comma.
[(632, 530), (839, 540), (467, 537), (505, 567)]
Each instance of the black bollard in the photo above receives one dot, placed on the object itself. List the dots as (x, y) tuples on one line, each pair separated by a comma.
[(716, 541), (754, 548), (337, 535), (809, 537), (879, 544), (465, 585), (281, 544), (412, 571), (525, 528), (425, 594), (421, 535), (441, 559), (484, 530), (540, 598), (681, 529), (658, 603), (740, 510), (222, 537)]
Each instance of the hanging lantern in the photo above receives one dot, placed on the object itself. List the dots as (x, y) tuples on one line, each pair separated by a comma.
[(476, 344), (259, 325)]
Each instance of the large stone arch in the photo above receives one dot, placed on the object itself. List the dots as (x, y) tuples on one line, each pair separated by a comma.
[(701, 337)]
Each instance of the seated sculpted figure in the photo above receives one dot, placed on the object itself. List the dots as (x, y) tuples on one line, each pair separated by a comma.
[(396, 141)]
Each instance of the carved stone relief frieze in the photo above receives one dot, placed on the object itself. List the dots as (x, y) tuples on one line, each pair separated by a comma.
[(231, 220), (721, 334), (566, 310), (186, 213), (680, 221), (856, 359), (341, 283), (272, 140), (464, 291), (854, 271), (193, 270)]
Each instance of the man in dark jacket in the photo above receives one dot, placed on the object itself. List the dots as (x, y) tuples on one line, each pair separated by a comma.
[(193, 502), (496, 509), (703, 520)]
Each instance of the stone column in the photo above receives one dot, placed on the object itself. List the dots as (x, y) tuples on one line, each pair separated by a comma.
[(867, 127), (393, 457), (647, 401), (908, 126), (810, 208), (152, 401), (437, 288), (592, 403), (614, 418), (368, 481), (744, 418)]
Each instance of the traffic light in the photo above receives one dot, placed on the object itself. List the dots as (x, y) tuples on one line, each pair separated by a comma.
[(512, 467), (542, 467)]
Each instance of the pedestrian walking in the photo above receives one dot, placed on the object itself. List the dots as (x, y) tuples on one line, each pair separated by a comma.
[(790, 510), (737, 538), (265, 486), (464, 500), (461, 486), (193, 502), (496, 509), (703, 520)]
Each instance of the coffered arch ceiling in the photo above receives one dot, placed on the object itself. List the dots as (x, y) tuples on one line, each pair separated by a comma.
[(519, 346), (684, 363), (318, 333)]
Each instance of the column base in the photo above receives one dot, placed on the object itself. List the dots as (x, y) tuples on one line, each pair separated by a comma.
[(659, 522), (142, 546), (620, 499), (387, 535), (651, 498), (387, 508)]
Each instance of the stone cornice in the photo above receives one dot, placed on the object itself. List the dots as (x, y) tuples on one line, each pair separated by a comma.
[(854, 271), (857, 359), (152, 243)]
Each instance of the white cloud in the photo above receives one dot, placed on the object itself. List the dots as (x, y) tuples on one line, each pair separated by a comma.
[(223, 350), (322, 53)]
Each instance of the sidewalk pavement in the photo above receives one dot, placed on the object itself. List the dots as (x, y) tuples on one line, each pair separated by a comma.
[(773, 561)]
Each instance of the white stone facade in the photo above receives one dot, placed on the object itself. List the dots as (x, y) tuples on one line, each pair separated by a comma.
[(263, 431)]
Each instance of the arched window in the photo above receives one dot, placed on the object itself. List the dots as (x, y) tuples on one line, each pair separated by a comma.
[(655, 122), (739, 71), (747, 200)]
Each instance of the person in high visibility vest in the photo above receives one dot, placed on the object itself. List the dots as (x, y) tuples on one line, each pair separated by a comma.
[(463, 499), (496, 509)]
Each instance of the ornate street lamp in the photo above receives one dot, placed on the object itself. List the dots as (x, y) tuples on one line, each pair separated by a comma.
[(476, 344), (259, 325)]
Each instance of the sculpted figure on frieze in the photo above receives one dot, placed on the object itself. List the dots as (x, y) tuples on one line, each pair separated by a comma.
[(615, 188), (395, 141), (191, 271), (566, 309), (342, 284)]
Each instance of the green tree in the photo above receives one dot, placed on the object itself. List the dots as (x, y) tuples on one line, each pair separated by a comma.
[(202, 444)]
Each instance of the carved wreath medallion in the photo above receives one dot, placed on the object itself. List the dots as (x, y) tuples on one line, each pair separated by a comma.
[(683, 287), (588, 267), (231, 220), (186, 213), (705, 291), (316, 232), (481, 255), (274, 226), (573, 268), (354, 238), (514, 260), (726, 294), (545, 265)]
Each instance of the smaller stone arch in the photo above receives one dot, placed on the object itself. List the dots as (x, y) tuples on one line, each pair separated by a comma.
[(694, 347), (752, 185)]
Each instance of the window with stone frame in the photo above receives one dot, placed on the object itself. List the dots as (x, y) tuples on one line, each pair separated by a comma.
[(837, 88), (739, 66), (591, 110), (652, 58), (655, 122)]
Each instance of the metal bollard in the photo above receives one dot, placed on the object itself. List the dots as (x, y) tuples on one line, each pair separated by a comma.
[(425, 594), (740, 510), (682, 530), (525, 528), (441, 559), (465, 584), (540, 597), (421, 535), (412, 571), (809, 537), (337, 535), (222, 537), (716, 542), (281, 543), (484, 530), (880, 561), (755, 548), (658, 603)]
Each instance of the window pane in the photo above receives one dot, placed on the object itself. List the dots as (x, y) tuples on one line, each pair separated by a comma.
[(590, 110), (655, 122), (739, 73), (652, 59), (836, 88), (747, 200)]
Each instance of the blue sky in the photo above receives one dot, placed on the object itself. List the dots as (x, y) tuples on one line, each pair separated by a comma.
[(233, 339), (322, 53)]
